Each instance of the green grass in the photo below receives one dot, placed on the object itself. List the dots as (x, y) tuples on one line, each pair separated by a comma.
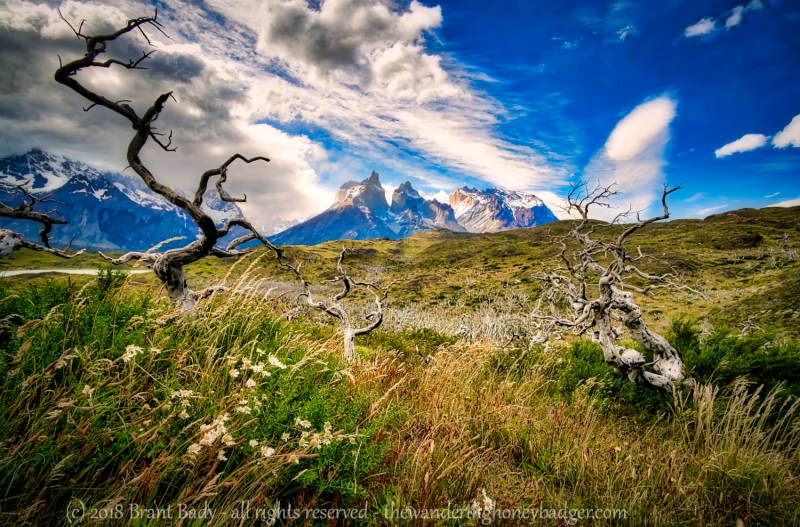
[(527, 427)]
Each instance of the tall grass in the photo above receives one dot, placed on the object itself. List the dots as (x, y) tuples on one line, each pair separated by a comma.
[(112, 397)]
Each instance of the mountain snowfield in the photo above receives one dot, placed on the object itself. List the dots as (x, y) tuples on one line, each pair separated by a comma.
[(104, 210), (116, 212)]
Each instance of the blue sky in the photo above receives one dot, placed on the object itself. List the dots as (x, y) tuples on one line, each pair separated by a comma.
[(524, 95)]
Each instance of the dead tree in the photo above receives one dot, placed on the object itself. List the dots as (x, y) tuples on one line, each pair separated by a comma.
[(168, 266), (11, 241), (336, 309), (590, 290)]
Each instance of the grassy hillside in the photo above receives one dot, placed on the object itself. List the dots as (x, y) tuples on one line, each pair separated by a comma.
[(113, 398)]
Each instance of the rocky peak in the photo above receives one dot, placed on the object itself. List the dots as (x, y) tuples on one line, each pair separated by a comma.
[(368, 193), (405, 197)]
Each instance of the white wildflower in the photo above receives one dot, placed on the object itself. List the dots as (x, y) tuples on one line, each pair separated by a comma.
[(285, 436), (244, 409), (294, 459), (228, 440), (260, 351), (275, 362), (87, 390), (250, 383), (194, 449), (183, 415), (234, 373), (221, 455), (305, 424), (267, 451), (155, 351), (488, 503), (253, 443)]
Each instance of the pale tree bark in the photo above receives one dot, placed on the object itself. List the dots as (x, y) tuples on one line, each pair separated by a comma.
[(603, 262), (11, 241), (168, 266), (335, 308)]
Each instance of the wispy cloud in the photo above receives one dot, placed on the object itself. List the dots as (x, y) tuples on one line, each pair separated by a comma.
[(356, 69), (743, 144), (704, 26), (709, 210), (625, 33), (735, 17), (771, 195), (695, 197)]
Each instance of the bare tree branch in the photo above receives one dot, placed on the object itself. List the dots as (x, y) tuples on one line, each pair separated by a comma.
[(168, 266), (608, 262)]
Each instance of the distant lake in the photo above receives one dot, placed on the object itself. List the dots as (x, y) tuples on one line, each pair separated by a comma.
[(67, 271)]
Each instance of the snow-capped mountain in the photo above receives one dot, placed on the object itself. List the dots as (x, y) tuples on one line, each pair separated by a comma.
[(360, 211), (412, 213), (104, 210), (494, 209)]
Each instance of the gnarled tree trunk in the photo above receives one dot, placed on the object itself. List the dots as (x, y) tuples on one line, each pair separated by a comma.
[(168, 266)]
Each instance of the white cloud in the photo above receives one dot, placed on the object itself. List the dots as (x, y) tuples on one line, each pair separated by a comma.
[(637, 130), (789, 135), (703, 27), (755, 5), (788, 203), (633, 157), (441, 196), (771, 195), (695, 197), (743, 144), (625, 32), (709, 210), (735, 18), (355, 68)]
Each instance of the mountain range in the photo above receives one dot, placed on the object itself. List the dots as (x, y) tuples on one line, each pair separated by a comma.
[(105, 211), (110, 211), (360, 211)]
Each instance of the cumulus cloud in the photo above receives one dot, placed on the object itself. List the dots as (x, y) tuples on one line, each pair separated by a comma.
[(633, 156), (361, 39), (743, 144), (210, 121), (357, 69), (705, 26), (789, 135)]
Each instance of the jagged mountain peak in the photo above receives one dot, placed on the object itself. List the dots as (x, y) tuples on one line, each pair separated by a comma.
[(368, 194), (496, 209)]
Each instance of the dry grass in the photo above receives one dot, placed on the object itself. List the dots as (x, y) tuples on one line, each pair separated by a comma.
[(480, 427)]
